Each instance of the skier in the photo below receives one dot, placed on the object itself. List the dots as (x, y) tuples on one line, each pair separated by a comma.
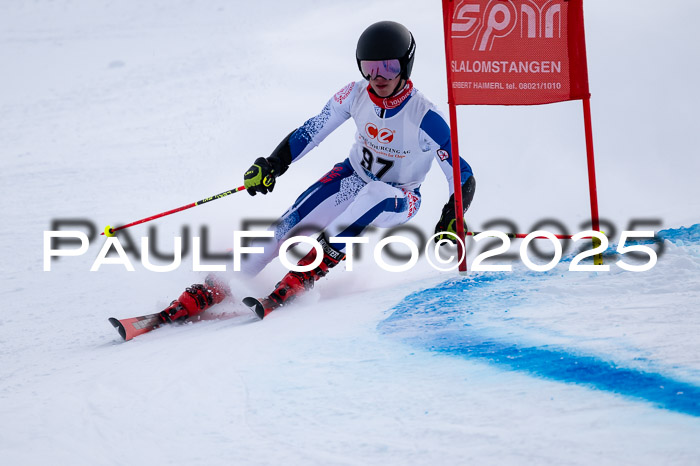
[(399, 133)]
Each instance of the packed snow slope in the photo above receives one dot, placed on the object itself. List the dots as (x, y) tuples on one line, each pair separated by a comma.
[(110, 112), (498, 318)]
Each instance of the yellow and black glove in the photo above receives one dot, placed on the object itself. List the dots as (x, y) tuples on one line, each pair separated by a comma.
[(260, 177), (448, 219), (448, 223)]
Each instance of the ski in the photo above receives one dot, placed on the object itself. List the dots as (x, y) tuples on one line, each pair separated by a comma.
[(262, 306), (135, 326)]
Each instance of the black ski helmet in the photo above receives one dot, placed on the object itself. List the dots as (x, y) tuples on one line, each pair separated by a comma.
[(386, 40)]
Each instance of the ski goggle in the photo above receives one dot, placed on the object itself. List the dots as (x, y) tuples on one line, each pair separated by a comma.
[(387, 69)]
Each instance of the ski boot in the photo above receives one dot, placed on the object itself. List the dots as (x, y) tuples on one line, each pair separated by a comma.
[(196, 299), (295, 283)]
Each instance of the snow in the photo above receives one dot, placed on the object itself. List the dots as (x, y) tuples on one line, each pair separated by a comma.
[(110, 112)]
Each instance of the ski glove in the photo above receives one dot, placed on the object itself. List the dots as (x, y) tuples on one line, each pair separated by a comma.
[(448, 223), (448, 220), (260, 177)]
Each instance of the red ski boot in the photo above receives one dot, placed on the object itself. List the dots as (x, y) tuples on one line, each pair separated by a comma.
[(196, 299), (295, 283)]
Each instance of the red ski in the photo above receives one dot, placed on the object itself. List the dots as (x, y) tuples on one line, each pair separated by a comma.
[(134, 326)]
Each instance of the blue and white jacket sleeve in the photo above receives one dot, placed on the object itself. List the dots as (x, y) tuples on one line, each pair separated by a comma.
[(435, 133), (315, 129)]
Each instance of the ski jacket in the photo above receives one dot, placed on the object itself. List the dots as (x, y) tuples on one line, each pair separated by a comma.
[(393, 145)]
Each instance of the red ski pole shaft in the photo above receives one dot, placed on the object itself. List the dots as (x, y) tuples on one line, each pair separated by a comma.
[(109, 231), (519, 235)]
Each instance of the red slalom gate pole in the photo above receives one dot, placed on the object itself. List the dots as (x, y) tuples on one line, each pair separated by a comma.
[(592, 188), (595, 221), (109, 231), (447, 9)]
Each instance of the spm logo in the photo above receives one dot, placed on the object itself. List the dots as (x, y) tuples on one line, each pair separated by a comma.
[(488, 20), (382, 135)]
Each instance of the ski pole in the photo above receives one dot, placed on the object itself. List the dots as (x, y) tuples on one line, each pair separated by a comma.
[(515, 235), (523, 235), (109, 231)]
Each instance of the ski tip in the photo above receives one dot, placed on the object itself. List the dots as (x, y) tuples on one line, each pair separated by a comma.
[(255, 305), (118, 325)]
